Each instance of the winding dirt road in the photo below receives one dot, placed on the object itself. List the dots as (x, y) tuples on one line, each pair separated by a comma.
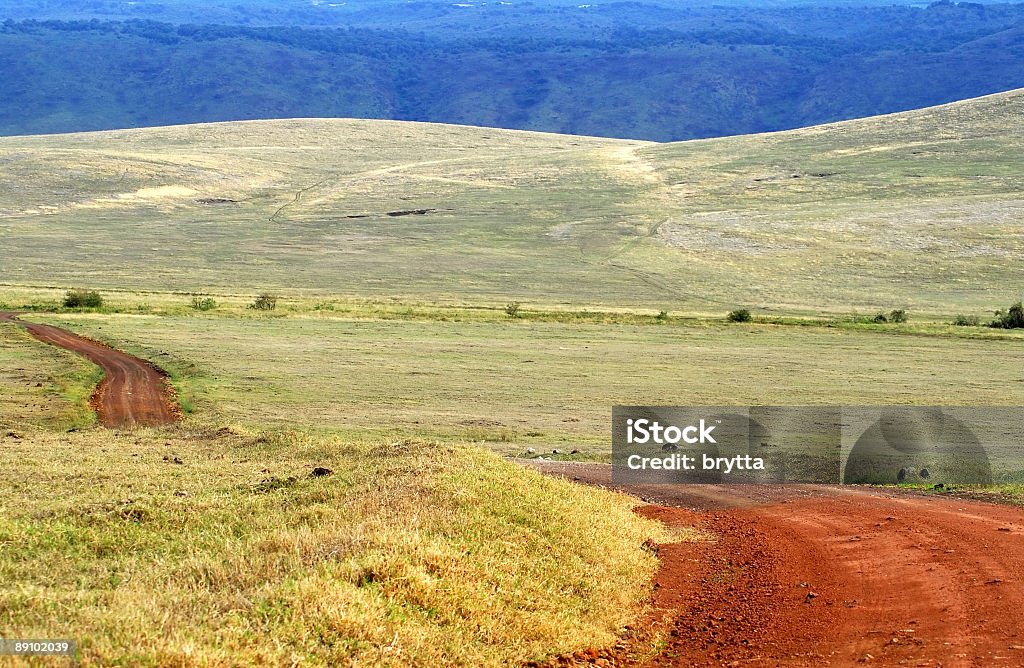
[(837, 576), (133, 392)]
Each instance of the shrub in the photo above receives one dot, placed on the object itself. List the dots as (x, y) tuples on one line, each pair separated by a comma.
[(898, 315), (880, 318), (739, 315), (204, 304), (1012, 318), (662, 316), (83, 299), (966, 321), (264, 302), (512, 309)]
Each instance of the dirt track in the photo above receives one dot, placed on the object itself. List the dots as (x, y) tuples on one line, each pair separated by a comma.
[(133, 392), (816, 575)]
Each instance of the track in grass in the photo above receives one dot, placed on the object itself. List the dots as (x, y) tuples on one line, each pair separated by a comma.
[(133, 392), (820, 575)]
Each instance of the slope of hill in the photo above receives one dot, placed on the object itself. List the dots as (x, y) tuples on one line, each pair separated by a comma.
[(919, 210), (661, 72)]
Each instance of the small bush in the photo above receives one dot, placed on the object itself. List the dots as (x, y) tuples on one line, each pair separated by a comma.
[(264, 302), (966, 321), (739, 315), (512, 309), (662, 316), (83, 299), (204, 304), (896, 315), (1012, 318)]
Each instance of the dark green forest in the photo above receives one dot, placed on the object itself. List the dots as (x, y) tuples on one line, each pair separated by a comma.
[(629, 69)]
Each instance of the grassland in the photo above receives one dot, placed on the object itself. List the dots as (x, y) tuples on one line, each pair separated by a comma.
[(519, 384), (920, 210), (41, 386), (390, 359), (423, 548), (204, 545)]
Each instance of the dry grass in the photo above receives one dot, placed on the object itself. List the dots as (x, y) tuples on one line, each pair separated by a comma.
[(204, 545), (920, 210), (412, 553)]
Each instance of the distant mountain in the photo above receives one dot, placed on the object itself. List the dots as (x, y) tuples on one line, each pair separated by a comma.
[(629, 69)]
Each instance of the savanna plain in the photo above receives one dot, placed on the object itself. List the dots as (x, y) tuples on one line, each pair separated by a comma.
[(446, 298)]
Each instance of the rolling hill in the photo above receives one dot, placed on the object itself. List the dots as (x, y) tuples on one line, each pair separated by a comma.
[(918, 210)]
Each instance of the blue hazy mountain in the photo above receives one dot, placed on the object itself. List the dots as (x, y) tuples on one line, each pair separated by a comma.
[(648, 70)]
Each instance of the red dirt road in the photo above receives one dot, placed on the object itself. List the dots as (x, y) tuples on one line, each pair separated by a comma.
[(133, 392), (817, 575)]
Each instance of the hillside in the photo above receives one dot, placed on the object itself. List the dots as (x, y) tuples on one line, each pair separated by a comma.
[(919, 210), (654, 71)]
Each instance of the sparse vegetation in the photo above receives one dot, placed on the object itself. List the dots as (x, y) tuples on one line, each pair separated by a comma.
[(265, 302), (895, 316), (1011, 318), (83, 299), (512, 309), (739, 315), (966, 321), (662, 316), (204, 303)]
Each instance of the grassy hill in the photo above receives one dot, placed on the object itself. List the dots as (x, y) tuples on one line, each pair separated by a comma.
[(918, 210)]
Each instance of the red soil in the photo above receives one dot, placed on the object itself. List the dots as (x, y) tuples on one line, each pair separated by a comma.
[(818, 575), (132, 392)]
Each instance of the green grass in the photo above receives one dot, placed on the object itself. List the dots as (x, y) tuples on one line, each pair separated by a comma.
[(1007, 493), (43, 386), (517, 383), (918, 210)]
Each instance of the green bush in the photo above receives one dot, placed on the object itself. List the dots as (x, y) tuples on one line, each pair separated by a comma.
[(204, 304), (264, 302), (1012, 318), (83, 299), (896, 315), (662, 316), (512, 309), (966, 321), (739, 315)]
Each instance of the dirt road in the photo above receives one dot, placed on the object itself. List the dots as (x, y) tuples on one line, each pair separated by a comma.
[(132, 392), (840, 576)]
